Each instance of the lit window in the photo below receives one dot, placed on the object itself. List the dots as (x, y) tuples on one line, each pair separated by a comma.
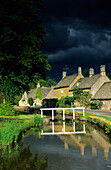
[(77, 83), (62, 91)]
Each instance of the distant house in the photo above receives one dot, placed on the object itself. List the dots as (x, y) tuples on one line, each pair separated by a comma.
[(104, 95), (92, 83), (45, 92), (66, 83)]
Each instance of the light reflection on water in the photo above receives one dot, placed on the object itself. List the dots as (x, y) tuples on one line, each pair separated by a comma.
[(87, 151)]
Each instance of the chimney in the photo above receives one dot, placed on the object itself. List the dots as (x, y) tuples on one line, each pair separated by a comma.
[(91, 72), (102, 70), (38, 85), (79, 70), (63, 74)]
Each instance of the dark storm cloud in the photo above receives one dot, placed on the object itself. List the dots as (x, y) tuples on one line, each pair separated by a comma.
[(91, 10), (79, 31)]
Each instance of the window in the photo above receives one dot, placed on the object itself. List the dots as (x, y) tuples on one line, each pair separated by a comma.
[(62, 91), (77, 83)]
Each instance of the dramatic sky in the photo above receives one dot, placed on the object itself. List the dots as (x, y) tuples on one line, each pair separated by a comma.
[(79, 34)]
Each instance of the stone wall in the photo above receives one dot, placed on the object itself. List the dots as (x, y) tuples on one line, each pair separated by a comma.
[(106, 105), (58, 93)]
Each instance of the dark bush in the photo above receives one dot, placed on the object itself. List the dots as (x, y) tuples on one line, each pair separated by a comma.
[(49, 103), (30, 101), (96, 104)]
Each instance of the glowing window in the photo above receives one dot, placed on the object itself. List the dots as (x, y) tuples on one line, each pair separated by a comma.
[(62, 91)]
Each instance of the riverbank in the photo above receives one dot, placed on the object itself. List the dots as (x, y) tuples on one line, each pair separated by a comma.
[(11, 131), (102, 120)]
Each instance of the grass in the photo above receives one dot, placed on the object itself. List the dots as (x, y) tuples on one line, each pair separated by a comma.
[(11, 130)]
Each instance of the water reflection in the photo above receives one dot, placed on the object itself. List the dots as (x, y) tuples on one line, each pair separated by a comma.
[(23, 160), (63, 129), (90, 150), (92, 138)]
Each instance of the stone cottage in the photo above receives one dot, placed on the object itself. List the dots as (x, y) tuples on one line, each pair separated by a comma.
[(46, 92), (66, 83), (92, 83), (104, 95)]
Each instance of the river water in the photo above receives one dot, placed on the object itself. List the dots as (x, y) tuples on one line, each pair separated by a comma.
[(86, 151)]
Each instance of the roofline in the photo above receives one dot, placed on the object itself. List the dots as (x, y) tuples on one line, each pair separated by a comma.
[(101, 99), (96, 80), (60, 87), (80, 88), (64, 78)]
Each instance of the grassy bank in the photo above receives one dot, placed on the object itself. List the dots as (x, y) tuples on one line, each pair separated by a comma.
[(12, 130), (102, 120)]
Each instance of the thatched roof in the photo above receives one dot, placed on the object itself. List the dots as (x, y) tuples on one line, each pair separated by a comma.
[(65, 82), (86, 83), (104, 92), (44, 92)]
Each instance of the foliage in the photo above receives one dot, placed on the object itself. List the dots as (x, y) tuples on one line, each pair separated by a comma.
[(8, 89), (49, 103), (86, 73), (96, 104), (83, 97), (38, 120), (22, 159), (22, 38), (108, 128), (38, 94), (48, 82), (77, 93), (17, 99), (7, 109), (65, 102), (30, 101), (12, 129), (62, 102)]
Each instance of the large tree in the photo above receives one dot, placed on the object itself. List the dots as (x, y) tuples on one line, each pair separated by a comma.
[(22, 38)]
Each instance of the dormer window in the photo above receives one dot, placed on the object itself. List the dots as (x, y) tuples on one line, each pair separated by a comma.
[(62, 91), (77, 84)]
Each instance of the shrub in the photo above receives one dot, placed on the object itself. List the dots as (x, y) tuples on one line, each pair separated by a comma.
[(38, 94), (7, 109), (30, 101), (96, 104)]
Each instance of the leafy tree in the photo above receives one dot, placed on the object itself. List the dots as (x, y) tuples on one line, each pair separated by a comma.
[(7, 109), (77, 93), (22, 38), (38, 94), (30, 101), (48, 82), (86, 73), (83, 97), (9, 89), (17, 99)]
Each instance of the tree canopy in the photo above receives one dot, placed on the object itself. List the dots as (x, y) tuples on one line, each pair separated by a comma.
[(22, 38)]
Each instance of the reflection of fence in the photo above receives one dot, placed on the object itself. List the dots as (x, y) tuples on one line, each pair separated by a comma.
[(64, 131), (63, 109)]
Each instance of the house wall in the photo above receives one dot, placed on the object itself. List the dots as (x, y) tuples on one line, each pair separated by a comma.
[(23, 102), (98, 84), (58, 93), (106, 105)]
